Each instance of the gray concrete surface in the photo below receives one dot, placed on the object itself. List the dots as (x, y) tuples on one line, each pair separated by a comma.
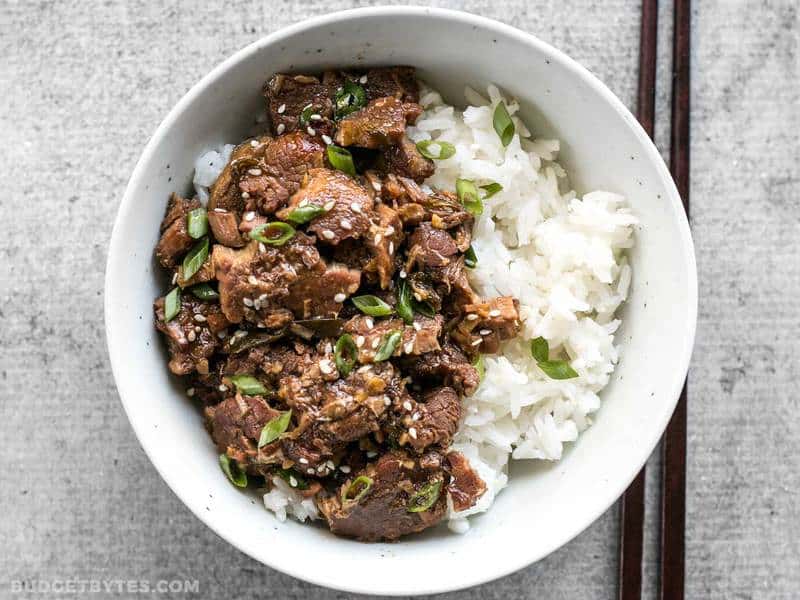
[(84, 84)]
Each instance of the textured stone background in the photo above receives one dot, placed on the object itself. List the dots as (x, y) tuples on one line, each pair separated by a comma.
[(83, 85)]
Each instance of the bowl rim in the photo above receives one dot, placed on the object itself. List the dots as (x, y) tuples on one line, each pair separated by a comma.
[(115, 344)]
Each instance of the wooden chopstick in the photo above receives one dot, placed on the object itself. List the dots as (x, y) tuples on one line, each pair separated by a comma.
[(673, 499), (631, 540)]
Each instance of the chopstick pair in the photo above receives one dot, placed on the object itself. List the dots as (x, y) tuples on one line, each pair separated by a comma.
[(673, 489)]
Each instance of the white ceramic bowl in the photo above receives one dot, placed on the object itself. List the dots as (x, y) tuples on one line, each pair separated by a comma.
[(544, 506)]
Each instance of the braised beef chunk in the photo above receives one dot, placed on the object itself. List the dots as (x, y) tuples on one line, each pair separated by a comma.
[(192, 335), (175, 240), (466, 487), (345, 206), (266, 332), (448, 366), (395, 495), (405, 160), (380, 124)]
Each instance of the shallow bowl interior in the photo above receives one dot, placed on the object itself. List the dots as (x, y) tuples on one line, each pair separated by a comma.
[(545, 505)]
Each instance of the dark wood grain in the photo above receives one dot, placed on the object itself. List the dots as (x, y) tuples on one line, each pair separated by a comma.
[(673, 499), (631, 541)]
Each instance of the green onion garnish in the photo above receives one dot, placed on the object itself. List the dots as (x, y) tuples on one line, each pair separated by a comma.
[(540, 349), (197, 223), (491, 189), (357, 490), (503, 124), (372, 305), (305, 114), (349, 98), (345, 353), (193, 261), (404, 307), (470, 258), (388, 346), (274, 234), (236, 475), (203, 291), (480, 366), (554, 369), (273, 430), (468, 196), (341, 159), (248, 385), (426, 497), (172, 304), (446, 149), (293, 478), (424, 308), (304, 214)]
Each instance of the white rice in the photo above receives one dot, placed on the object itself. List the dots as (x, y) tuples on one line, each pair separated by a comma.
[(560, 255)]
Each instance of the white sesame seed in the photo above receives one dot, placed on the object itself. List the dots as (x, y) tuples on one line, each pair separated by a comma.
[(362, 79), (403, 274), (407, 405), (327, 139), (303, 460), (391, 247), (345, 224), (262, 298), (326, 366), (311, 131), (254, 143), (222, 387), (378, 239), (417, 297), (316, 117), (355, 207), (261, 247), (256, 304), (485, 331), (245, 195), (241, 333), (249, 216), (292, 481), (389, 231), (494, 313), (329, 205), (412, 432), (344, 468), (360, 341), (280, 128), (310, 471), (472, 317), (303, 202), (387, 401), (339, 297), (220, 210), (281, 108), (328, 234), (415, 416), (197, 329), (375, 343), (254, 172), (199, 318), (417, 326), (251, 279), (409, 347), (247, 302), (376, 185), (371, 454), (476, 342), (174, 278), (369, 323), (330, 464)]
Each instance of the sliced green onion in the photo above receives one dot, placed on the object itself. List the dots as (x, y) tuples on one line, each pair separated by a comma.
[(203, 291), (503, 124), (248, 385), (404, 307), (423, 308), (345, 353), (193, 261), (305, 114), (372, 305), (357, 490), (341, 159), (446, 149), (540, 349), (273, 430), (557, 369), (197, 223), (470, 258), (388, 346), (293, 478), (304, 214), (236, 475), (468, 196), (172, 304), (274, 234), (480, 366), (491, 189), (426, 497), (349, 98)]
